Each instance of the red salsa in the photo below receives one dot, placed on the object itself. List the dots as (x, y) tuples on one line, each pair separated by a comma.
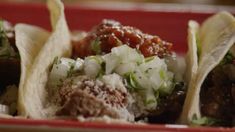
[(109, 34)]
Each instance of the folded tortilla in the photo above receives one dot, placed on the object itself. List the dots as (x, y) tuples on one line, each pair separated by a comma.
[(213, 40), (32, 92), (29, 41)]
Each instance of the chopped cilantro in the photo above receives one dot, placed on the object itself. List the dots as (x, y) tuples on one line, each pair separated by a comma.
[(204, 121), (71, 69), (6, 51), (95, 46), (228, 59)]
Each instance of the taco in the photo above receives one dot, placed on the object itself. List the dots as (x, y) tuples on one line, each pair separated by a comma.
[(114, 72), (210, 98), (12, 60), (31, 89), (20, 46)]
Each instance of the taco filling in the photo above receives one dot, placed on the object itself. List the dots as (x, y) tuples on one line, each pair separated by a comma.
[(217, 94), (123, 77), (9, 68), (9, 56), (210, 97)]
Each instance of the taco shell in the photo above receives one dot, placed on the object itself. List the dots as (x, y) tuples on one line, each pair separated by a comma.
[(216, 36), (32, 101)]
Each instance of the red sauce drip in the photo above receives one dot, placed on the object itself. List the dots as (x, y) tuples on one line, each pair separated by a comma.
[(112, 34)]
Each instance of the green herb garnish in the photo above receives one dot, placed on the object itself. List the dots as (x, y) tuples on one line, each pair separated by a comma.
[(150, 101), (95, 46), (166, 89), (6, 51), (162, 74), (228, 59), (204, 121), (97, 58), (71, 69), (102, 70), (149, 58), (131, 82)]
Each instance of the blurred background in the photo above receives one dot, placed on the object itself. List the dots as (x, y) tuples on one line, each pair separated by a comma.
[(204, 2)]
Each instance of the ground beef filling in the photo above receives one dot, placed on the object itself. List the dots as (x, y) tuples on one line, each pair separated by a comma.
[(111, 34), (91, 98), (217, 94)]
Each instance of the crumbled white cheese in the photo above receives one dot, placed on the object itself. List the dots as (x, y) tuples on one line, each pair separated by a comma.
[(114, 81)]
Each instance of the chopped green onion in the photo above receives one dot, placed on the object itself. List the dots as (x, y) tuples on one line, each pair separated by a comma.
[(166, 89), (71, 69), (162, 74), (102, 70), (97, 58), (132, 84), (101, 62), (149, 58), (150, 101)]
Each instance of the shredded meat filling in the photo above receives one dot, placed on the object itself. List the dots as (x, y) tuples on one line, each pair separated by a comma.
[(217, 94), (91, 98), (9, 67)]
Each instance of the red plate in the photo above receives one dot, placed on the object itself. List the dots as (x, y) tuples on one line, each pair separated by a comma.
[(169, 23)]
